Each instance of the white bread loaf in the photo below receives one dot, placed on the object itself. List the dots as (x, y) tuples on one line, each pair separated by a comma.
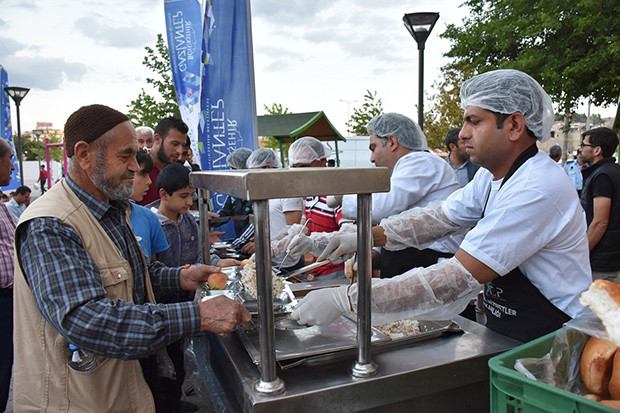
[(603, 297)]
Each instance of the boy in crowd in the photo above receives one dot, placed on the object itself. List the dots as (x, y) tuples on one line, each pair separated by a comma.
[(181, 231), (145, 224)]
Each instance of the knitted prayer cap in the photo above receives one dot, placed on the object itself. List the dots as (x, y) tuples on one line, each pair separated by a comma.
[(88, 123)]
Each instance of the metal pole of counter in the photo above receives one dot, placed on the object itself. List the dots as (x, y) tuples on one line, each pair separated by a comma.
[(269, 383), (204, 226), (363, 367)]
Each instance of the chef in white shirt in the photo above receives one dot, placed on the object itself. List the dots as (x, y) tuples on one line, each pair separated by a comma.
[(528, 244)]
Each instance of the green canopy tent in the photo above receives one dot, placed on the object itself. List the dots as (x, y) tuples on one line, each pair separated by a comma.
[(287, 128)]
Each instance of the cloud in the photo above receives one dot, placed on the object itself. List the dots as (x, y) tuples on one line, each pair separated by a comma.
[(46, 73), (290, 13), (126, 37)]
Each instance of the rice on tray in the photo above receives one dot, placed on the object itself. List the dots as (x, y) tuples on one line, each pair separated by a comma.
[(248, 278), (400, 328)]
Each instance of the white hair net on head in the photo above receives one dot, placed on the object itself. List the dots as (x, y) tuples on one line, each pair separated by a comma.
[(406, 131), (508, 91), (238, 158), (263, 157), (305, 150)]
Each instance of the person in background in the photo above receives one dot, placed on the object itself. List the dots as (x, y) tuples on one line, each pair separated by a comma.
[(331, 163), (574, 169), (417, 178), (42, 179), (19, 202), (458, 158), (320, 218), (145, 136), (185, 248), (7, 229), (528, 244), (5, 198), (84, 300), (555, 153), (244, 229), (143, 221), (600, 199), (283, 212), (170, 136)]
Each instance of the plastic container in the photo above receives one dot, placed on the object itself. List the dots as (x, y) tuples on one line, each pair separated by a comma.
[(512, 392), (81, 360)]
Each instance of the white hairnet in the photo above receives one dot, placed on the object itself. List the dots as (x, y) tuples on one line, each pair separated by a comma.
[(263, 157), (406, 131), (508, 91), (238, 158), (307, 149)]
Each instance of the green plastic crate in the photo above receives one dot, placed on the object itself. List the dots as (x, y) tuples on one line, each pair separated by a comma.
[(512, 392)]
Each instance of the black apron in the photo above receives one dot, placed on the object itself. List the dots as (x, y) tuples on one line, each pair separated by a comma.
[(513, 306), (394, 263)]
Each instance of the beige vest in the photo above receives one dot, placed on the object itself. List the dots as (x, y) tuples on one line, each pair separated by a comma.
[(42, 378)]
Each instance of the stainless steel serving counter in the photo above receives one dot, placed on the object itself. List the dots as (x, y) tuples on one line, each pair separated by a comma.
[(446, 374)]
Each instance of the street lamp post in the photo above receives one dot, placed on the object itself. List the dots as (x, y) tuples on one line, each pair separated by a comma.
[(419, 26), (348, 102), (38, 133), (17, 94)]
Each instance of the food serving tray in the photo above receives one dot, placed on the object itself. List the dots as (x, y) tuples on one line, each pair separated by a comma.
[(282, 304), (319, 345)]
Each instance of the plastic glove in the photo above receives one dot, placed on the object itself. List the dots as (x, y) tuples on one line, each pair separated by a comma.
[(418, 227), (438, 292), (333, 201), (340, 248), (350, 267), (323, 306), (280, 242), (300, 245)]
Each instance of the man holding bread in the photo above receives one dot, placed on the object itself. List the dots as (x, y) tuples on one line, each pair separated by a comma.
[(87, 326), (528, 244)]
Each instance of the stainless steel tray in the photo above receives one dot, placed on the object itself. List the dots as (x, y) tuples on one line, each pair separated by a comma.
[(282, 304), (318, 345), (304, 341), (430, 330)]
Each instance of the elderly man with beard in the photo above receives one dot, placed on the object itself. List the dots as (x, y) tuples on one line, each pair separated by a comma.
[(170, 137), (86, 323)]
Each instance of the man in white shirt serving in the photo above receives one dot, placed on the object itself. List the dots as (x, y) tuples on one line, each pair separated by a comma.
[(528, 243)]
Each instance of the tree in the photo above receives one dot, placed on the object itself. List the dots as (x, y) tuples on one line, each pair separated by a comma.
[(29, 146), (148, 109), (270, 141), (362, 115), (571, 48), (445, 110)]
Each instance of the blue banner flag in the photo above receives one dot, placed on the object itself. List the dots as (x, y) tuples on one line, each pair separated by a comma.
[(6, 131), (184, 32), (228, 101)]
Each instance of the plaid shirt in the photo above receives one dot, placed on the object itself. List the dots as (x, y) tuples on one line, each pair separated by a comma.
[(69, 292), (7, 229)]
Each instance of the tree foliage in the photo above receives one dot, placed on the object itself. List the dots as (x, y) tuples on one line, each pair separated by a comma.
[(571, 47), (362, 115), (147, 109), (29, 146), (270, 141), (445, 111)]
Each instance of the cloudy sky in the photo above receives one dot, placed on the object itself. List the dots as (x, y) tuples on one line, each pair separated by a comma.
[(309, 55)]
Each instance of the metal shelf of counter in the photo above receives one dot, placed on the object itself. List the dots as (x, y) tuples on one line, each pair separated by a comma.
[(446, 374), (290, 183)]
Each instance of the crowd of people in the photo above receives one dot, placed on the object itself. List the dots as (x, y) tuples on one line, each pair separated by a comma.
[(104, 266)]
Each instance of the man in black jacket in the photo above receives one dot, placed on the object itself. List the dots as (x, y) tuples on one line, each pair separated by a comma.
[(600, 199)]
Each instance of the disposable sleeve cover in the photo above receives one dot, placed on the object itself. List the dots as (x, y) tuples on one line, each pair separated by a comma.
[(321, 239), (438, 292), (280, 242), (418, 227)]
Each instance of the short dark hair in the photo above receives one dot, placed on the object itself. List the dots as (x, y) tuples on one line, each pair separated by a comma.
[(555, 151), (187, 143), (603, 137), (501, 117), (22, 190), (164, 126), (143, 158), (172, 178), (452, 137)]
